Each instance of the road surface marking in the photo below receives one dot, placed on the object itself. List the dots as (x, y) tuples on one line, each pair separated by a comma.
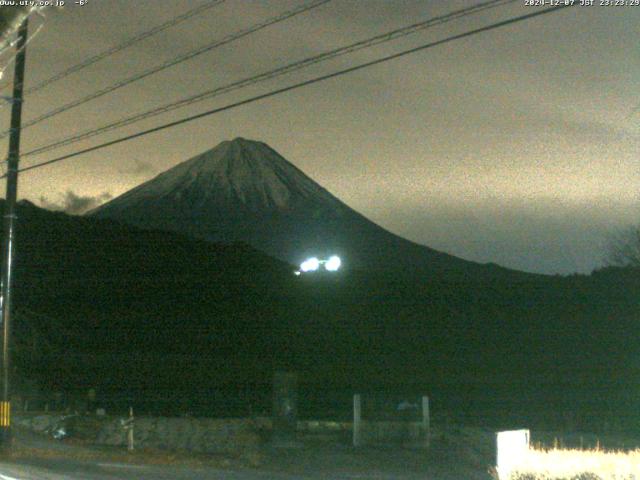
[(5, 477)]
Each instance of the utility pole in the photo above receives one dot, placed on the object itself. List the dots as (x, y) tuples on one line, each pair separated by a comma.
[(9, 231)]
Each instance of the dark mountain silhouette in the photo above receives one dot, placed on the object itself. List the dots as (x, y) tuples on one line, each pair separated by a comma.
[(119, 307), (167, 323), (243, 190)]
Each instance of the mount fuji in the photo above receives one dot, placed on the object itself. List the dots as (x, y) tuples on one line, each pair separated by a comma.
[(244, 191)]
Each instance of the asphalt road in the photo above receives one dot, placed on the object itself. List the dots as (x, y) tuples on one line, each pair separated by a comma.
[(38, 458), (56, 469), (53, 469)]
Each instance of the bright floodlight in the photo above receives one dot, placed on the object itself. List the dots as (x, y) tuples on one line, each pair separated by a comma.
[(333, 263), (310, 265)]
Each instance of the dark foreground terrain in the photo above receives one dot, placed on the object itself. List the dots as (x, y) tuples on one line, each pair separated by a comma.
[(454, 454), (174, 326)]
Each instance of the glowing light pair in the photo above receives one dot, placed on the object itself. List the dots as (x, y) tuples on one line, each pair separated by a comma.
[(313, 264)]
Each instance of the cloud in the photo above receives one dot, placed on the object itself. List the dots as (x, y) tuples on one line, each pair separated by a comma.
[(143, 167), (139, 167), (75, 204)]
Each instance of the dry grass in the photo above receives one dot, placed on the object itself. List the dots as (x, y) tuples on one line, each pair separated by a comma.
[(548, 464)]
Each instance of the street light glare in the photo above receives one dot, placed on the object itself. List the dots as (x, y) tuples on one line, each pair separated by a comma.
[(333, 263), (310, 265)]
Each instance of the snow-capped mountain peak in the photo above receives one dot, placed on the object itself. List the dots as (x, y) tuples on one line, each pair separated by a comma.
[(238, 171), (243, 190)]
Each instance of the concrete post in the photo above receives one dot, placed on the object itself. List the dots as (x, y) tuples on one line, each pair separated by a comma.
[(130, 445), (357, 420), (426, 420), (285, 408)]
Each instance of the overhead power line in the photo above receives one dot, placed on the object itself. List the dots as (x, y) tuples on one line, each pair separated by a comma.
[(295, 86), (126, 44), (298, 65), (170, 63)]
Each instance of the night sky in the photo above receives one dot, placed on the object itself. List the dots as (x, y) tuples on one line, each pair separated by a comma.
[(517, 146)]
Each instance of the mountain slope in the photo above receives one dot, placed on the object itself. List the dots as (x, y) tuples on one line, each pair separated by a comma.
[(102, 304), (154, 313), (243, 190)]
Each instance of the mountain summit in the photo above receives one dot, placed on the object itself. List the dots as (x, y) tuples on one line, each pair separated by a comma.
[(243, 190)]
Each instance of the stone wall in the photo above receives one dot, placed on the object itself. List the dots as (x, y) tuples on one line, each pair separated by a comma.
[(383, 433), (208, 435), (39, 423)]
